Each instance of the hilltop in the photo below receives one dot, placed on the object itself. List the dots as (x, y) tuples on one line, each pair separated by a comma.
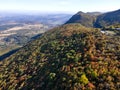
[(96, 19), (85, 19), (69, 57)]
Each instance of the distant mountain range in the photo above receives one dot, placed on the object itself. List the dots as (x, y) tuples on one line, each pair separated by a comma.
[(96, 19)]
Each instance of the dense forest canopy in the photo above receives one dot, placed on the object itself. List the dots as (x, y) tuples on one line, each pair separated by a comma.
[(69, 57)]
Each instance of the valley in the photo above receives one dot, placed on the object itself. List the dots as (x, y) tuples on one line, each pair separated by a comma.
[(18, 29), (17, 36)]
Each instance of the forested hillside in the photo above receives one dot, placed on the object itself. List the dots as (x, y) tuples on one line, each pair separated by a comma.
[(69, 57), (109, 18), (85, 19), (95, 19)]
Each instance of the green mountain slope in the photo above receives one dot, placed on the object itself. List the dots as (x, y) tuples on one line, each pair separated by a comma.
[(107, 19), (95, 19), (69, 57), (85, 19)]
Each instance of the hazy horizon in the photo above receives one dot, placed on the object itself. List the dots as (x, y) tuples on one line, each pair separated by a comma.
[(62, 6), (29, 12)]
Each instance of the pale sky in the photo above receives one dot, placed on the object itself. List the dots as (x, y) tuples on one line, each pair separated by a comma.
[(60, 5)]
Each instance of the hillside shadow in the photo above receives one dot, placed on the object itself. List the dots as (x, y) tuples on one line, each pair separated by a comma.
[(8, 54)]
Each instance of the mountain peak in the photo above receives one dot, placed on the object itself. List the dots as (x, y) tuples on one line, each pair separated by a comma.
[(96, 19), (84, 19), (80, 12)]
